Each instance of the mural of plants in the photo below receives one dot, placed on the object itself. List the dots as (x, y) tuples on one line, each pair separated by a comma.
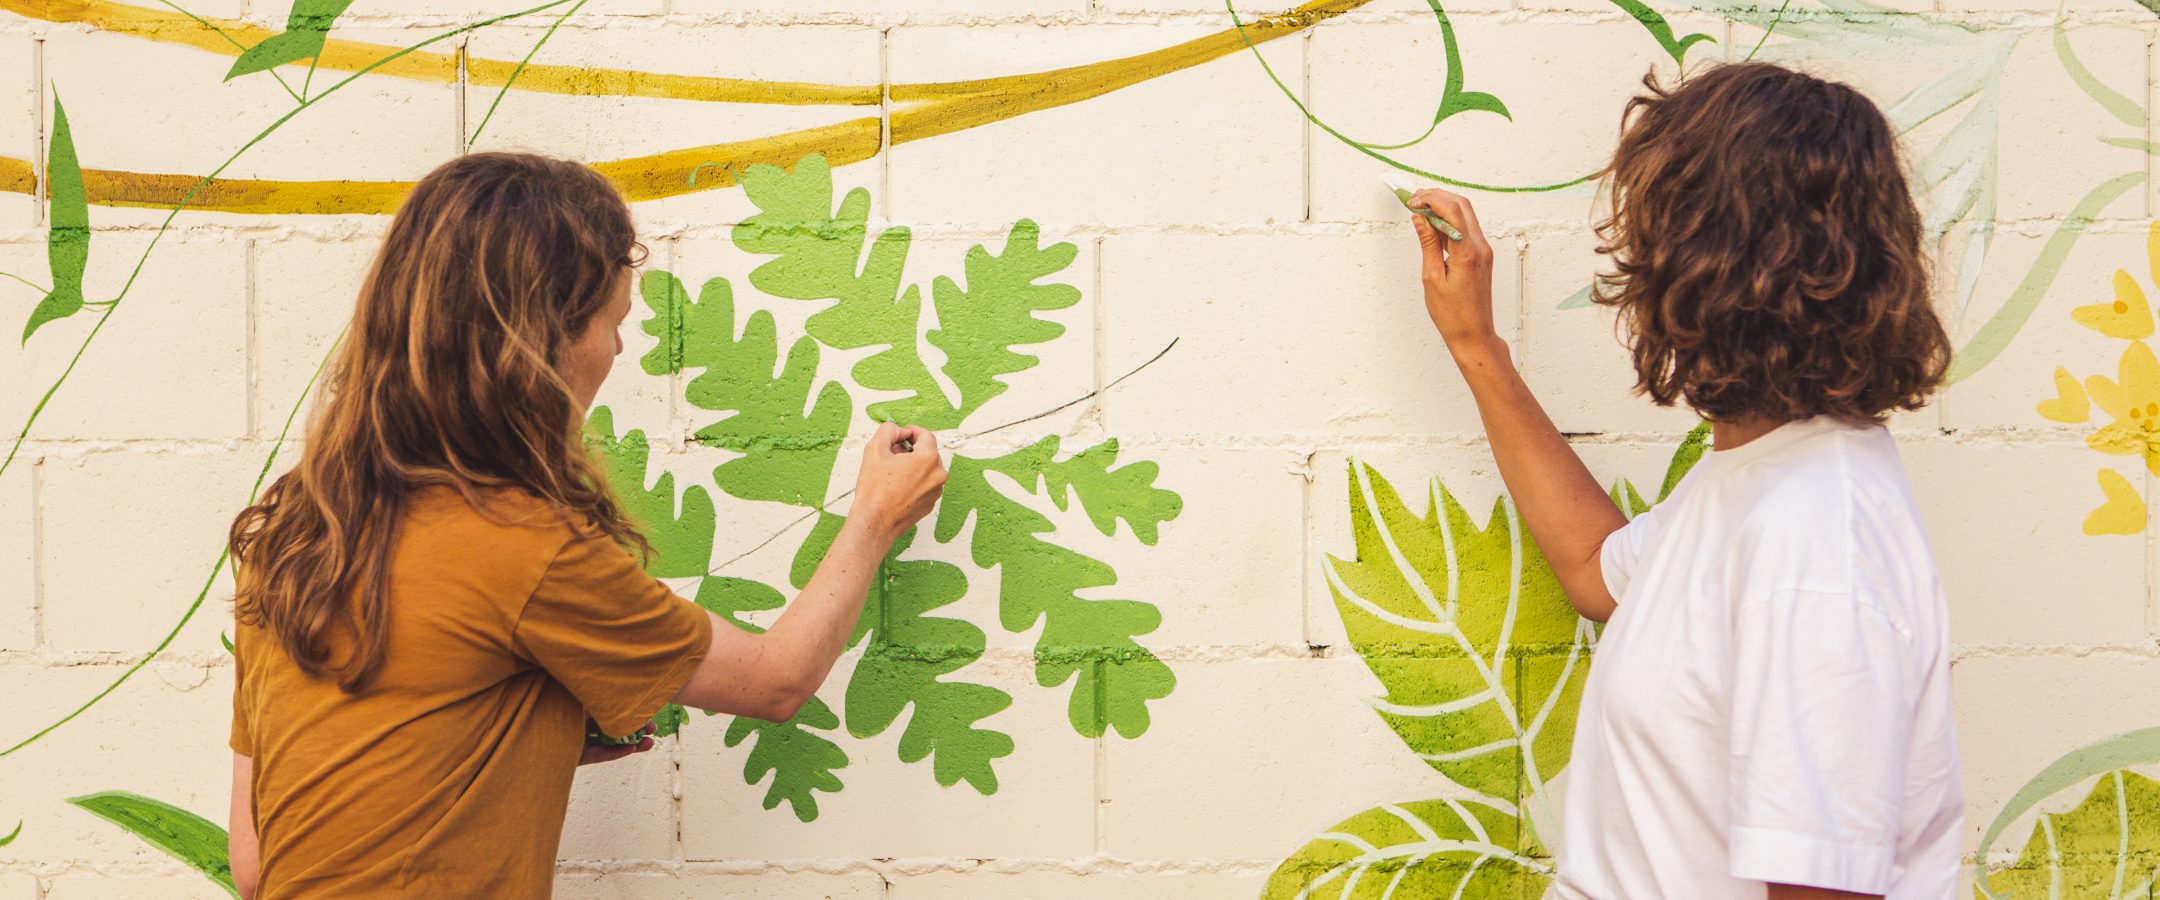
[(2108, 846), (783, 434), (1484, 661), (2131, 399)]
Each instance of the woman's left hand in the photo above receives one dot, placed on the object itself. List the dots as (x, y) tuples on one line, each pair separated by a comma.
[(596, 752)]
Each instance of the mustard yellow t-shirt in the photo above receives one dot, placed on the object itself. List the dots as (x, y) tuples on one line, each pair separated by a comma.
[(448, 775)]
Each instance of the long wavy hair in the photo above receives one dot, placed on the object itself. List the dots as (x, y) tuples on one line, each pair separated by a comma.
[(447, 377), (1767, 251)]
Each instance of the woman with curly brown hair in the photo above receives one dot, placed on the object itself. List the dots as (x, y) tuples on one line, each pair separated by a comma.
[(1769, 714)]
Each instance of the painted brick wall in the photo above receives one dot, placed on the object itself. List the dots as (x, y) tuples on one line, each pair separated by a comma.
[(1206, 215)]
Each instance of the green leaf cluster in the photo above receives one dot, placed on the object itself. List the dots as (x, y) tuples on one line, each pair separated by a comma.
[(781, 430)]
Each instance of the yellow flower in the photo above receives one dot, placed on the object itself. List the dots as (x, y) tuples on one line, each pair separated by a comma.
[(2122, 512), (2130, 316), (2134, 401)]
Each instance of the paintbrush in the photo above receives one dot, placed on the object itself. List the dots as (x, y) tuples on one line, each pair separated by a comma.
[(1403, 194)]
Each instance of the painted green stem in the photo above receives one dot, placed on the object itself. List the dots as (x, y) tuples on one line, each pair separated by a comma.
[(520, 70), (1995, 335), (205, 181), (215, 569)]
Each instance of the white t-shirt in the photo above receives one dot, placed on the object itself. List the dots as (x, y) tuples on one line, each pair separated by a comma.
[(1771, 700)]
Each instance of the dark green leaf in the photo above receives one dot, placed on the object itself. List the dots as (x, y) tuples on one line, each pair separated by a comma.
[(1661, 30), (307, 27), (186, 836), (67, 246), (800, 760)]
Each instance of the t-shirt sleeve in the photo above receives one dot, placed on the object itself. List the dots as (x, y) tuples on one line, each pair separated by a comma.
[(1622, 549), (616, 637), (1822, 721)]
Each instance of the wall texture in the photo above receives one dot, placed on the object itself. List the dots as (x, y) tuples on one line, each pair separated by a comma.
[(1198, 618)]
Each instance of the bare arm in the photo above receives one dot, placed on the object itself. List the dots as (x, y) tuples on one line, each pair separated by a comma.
[(771, 675), (1568, 513), (1796, 892), (240, 844)]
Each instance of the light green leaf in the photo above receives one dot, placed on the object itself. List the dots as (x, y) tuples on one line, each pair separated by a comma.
[(12, 835), (1684, 459), (800, 760), (2107, 847), (185, 836), (909, 651), (307, 28), (681, 541), (981, 322), (823, 252), (1088, 642), (1431, 848), (1481, 654), (2128, 749), (67, 244), (787, 454)]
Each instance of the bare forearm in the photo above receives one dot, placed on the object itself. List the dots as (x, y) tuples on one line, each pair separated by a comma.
[(814, 630), (1567, 512)]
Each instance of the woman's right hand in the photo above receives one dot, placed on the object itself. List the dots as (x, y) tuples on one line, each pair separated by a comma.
[(902, 477), (1457, 274)]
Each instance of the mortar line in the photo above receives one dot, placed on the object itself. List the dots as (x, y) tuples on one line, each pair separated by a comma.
[(885, 194), (1305, 128), (1306, 560), (1102, 772), (251, 296), (464, 84), (37, 555), (38, 98), (1101, 337)]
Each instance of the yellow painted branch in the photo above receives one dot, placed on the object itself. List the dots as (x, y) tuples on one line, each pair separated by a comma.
[(941, 109), (351, 56)]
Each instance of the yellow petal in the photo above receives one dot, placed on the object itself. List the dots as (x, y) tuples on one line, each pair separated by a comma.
[(2139, 373), (2123, 512), (2128, 316), (2152, 249), (2107, 395), (2070, 405)]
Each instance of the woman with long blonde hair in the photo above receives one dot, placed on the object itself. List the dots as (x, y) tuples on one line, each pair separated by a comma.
[(434, 602)]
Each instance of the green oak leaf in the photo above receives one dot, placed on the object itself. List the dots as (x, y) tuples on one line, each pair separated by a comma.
[(183, 835), (681, 541), (906, 654), (2106, 847), (822, 252), (787, 454), (800, 760), (307, 28), (1089, 642), (1430, 848), (67, 244)]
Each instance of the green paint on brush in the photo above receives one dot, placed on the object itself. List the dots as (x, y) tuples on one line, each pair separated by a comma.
[(1431, 218)]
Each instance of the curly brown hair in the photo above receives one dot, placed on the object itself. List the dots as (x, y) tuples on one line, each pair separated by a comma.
[(1767, 253)]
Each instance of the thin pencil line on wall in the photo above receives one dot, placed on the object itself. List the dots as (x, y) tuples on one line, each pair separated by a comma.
[(464, 82)]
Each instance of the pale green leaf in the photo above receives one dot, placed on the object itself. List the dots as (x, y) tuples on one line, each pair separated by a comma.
[(681, 540), (2107, 847), (1481, 654)]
